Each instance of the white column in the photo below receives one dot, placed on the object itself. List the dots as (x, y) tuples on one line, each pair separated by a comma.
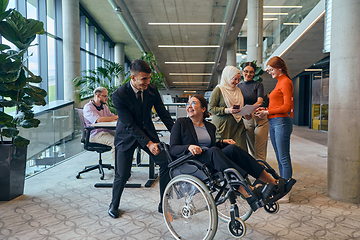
[(231, 54), (71, 46), (344, 108), (119, 57), (255, 31)]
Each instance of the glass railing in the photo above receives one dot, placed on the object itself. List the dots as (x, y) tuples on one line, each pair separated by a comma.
[(278, 27), (56, 139)]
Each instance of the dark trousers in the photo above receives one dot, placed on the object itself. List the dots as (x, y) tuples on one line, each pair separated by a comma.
[(231, 156), (123, 165)]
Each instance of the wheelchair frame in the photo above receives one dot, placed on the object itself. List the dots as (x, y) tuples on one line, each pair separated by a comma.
[(194, 199)]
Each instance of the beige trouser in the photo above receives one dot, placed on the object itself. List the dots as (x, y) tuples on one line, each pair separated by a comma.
[(257, 130), (105, 138)]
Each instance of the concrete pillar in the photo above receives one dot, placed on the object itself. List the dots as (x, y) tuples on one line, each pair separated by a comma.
[(219, 76), (119, 57), (231, 54), (71, 47), (344, 108), (255, 31)]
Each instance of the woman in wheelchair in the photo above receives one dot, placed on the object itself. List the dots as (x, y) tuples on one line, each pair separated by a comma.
[(196, 135)]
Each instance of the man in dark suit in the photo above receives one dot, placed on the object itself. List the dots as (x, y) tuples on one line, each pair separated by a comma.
[(133, 102)]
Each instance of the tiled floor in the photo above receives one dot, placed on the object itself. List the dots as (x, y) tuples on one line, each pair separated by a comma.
[(56, 205)]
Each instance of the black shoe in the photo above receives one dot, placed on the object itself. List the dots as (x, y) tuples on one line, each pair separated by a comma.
[(113, 212), (160, 210)]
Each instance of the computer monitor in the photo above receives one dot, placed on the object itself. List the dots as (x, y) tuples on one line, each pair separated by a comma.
[(167, 99)]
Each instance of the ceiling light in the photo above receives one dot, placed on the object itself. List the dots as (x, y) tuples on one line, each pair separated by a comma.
[(313, 70), (291, 24), (266, 19), (198, 24), (189, 62), (189, 91), (270, 14), (190, 74), (189, 46), (191, 82), (282, 6)]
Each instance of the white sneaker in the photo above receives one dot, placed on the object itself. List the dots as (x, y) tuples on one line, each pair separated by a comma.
[(284, 199)]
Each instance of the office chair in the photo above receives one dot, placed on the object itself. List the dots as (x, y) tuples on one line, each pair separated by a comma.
[(91, 146)]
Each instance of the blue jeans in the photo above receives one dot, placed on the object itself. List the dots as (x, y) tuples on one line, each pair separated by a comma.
[(280, 129)]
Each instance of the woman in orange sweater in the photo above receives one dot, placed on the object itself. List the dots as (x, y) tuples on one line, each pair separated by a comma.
[(280, 123)]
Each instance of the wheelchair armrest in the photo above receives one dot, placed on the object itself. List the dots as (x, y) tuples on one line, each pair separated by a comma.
[(180, 160)]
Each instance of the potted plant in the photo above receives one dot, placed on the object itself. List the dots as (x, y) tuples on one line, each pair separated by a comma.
[(103, 76), (18, 91)]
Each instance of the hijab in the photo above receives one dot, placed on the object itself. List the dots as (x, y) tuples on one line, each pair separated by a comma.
[(232, 96)]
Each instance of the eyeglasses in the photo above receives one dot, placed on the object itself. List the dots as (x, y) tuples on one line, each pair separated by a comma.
[(269, 70), (249, 72), (192, 104), (105, 96)]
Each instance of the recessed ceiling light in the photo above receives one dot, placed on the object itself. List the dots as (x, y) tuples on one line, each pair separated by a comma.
[(190, 74), (313, 70), (189, 91), (189, 62), (266, 19), (282, 6), (189, 46), (291, 24), (198, 24), (270, 14)]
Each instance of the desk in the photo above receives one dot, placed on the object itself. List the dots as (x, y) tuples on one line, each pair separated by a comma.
[(175, 104), (152, 176)]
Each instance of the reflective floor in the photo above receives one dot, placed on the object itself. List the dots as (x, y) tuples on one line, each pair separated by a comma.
[(56, 205)]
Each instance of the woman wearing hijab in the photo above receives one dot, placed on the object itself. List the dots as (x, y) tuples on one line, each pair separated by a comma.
[(225, 101)]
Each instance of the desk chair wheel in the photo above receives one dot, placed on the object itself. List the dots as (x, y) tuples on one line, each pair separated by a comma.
[(189, 209), (272, 207), (78, 176), (237, 228)]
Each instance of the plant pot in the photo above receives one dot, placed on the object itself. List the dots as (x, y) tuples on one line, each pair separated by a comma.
[(12, 171)]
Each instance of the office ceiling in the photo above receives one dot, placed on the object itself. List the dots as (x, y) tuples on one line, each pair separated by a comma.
[(139, 13)]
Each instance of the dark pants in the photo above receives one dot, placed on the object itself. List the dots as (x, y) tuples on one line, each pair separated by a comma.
[(231, 156), (123, 165)]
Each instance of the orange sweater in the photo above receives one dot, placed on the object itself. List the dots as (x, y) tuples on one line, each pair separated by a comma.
[(281, 98)]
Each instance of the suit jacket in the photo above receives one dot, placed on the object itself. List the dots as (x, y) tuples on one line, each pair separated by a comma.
[(183, 135), (134, 123)]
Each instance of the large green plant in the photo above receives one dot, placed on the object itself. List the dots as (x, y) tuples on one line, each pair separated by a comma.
[(17, 83), (103, 76), (258, 72), (157, 78)]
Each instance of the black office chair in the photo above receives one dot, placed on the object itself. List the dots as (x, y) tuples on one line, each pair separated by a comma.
[(91, 146)]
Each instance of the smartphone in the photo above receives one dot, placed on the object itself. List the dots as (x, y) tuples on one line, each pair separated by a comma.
[(236, 106)]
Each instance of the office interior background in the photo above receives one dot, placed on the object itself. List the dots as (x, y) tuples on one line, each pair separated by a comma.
[(192, 42)]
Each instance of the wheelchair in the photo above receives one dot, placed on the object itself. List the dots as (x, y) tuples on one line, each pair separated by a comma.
[(194, 199)]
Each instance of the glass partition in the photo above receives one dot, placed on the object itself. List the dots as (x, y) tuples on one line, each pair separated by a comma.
[(280, 22), (320, 100), (56, 139)]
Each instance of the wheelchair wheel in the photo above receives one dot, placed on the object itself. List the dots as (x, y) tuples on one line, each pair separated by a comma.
[(189, 209), (245, 210), (272, 207), (238, 228)]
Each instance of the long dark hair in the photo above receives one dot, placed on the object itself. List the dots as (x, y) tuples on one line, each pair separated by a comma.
[(278, 62), (204, 104), (251, 64)]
